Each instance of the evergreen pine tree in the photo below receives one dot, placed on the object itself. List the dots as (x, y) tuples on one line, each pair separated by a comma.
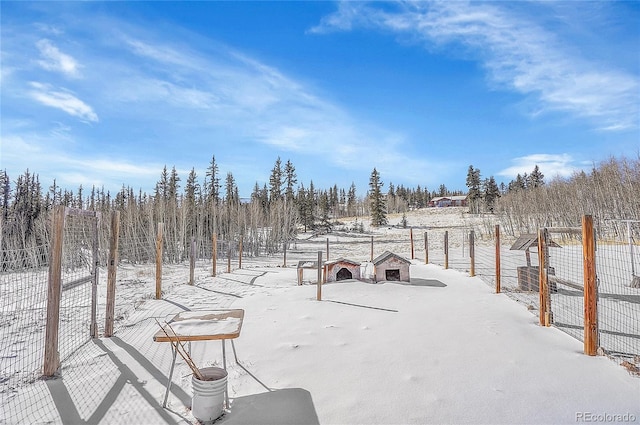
[(376, 200), (474, 194), (536, 178), (290, 179), (351, 200), (490, 193), (212, 187), (275, 182)]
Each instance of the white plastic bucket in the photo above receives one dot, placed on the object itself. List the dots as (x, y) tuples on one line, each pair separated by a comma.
[(208, 394)]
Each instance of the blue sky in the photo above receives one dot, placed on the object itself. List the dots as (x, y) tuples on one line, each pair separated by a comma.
[(108, 93)]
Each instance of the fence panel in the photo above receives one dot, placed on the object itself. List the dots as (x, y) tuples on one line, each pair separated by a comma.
[(617, 262)]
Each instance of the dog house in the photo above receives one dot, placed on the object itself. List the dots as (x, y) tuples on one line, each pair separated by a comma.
[(528, 276), (390, 266), (342, 269)]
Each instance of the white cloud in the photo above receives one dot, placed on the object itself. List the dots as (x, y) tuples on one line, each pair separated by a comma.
[(52, 59), (517, 52), (63, 100), (551, 165), (273, 108), (53, 157)]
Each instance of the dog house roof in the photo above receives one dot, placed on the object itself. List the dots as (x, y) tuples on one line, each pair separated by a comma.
[(388, 254), (343, 260)]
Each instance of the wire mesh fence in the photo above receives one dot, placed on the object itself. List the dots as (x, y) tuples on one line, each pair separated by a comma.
[(23, 300), (513, 267), (24, 283), (617, 259)]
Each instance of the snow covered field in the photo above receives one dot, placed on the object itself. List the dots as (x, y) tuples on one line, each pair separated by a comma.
[(442, 349)]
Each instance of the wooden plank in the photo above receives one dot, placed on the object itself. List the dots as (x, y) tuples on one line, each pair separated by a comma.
[(565, 282), (76, 282), (571, 230)]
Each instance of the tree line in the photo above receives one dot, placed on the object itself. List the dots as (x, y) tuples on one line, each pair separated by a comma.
[(199, 208), (278, 209), (610, 192)]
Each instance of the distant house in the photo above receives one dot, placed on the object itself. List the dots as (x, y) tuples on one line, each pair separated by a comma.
[(449, 201), (341, 269), (390, 266)]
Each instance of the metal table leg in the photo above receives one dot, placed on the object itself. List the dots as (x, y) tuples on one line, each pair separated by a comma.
[(173, 364), (224, 365)]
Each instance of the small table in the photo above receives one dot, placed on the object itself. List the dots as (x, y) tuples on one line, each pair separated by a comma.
[(202, 325)]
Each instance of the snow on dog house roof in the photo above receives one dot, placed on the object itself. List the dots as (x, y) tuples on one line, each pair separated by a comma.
[(343, 260), (388, 255), (529, 240)]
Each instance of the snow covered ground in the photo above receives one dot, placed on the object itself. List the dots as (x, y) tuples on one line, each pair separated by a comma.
[(442, 349)]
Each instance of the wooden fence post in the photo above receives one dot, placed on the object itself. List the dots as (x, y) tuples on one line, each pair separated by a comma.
[(498, 289), (229, 259), (446, 249), (327, 249), (240, 253), (214, 253), (543, 285), (426, 248), (319, 290), (472, 253), (590, 287), (112, 268), (95, 277), (411, 238), (192, 260), (284, 248), (54, 292), (372, 249), (159, 261)]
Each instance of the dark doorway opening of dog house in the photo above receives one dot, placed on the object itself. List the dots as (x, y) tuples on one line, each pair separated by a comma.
[(344, 274), (392, 274)]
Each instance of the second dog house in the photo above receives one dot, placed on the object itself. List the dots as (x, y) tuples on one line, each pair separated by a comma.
[(390, 266)]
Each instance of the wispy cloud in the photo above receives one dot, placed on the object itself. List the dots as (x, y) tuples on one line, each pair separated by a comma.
[(517, 52), (52, 59), (53, 157), (204, 96), (63, 100), (562, 165), (272, 108)]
